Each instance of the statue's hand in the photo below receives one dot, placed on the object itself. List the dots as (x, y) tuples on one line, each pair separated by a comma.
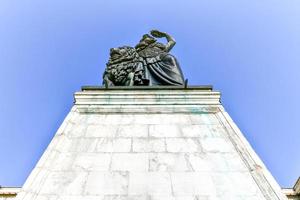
[(157, 34)]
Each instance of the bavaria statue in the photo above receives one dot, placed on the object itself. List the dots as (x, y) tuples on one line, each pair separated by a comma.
[(148, 63)]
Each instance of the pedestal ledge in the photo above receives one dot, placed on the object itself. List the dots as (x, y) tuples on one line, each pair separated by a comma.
[(147, 99), (196, 87)]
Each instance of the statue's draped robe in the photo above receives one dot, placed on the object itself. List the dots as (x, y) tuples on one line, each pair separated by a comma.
[(160, 67)]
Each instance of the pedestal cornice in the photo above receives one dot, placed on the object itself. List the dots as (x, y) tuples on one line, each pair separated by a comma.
[(147, 99)]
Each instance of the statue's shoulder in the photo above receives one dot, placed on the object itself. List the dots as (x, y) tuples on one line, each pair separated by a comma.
[(153, 50)]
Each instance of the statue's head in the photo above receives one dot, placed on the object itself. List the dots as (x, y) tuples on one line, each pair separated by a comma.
[(145, 41), (148, 39)]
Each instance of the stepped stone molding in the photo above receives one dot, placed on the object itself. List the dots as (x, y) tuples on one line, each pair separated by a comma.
[(150, 100)]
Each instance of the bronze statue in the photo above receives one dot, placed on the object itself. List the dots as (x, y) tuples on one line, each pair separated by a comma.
[(149, 63)]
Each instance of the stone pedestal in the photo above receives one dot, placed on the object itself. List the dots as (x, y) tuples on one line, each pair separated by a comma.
[(149, 144)]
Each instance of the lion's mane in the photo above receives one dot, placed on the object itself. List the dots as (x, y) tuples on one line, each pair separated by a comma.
[(118, 68)]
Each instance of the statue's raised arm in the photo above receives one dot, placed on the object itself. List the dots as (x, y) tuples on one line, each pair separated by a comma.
[(171, 41)]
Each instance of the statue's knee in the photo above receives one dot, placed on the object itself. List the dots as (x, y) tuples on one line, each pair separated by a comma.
[(169, 59)]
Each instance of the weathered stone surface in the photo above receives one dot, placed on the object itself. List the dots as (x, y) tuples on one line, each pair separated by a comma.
[(92, 162), (132, 162), (148, 145), (177, 144), (168, 162), (107, 183)]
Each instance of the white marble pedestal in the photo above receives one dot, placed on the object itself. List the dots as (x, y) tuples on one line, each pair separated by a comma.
[(149, 144)]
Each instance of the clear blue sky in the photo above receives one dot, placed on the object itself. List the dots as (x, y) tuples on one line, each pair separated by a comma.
[(249, 50)]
